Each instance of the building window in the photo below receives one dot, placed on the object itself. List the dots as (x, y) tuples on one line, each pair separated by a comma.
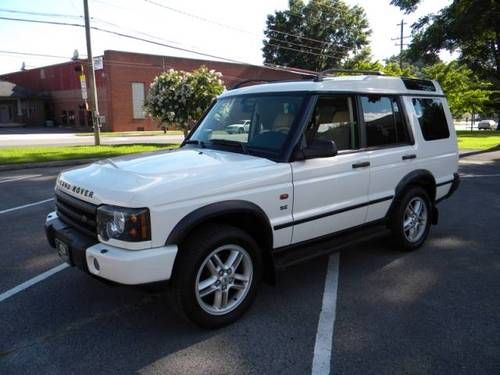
[(383, 121), (138, 100), (431, 118)]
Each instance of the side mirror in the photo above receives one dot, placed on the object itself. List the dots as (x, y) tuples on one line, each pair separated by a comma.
[(319, 148)]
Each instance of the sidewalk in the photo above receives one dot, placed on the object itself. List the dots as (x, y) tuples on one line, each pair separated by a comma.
[(73, 139)]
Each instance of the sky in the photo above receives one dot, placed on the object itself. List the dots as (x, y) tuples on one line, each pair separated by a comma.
[(231, 29)]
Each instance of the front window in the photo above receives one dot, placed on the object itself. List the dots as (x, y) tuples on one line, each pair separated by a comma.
[(257, 124)]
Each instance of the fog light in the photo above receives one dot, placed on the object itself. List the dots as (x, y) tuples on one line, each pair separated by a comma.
[(96, 264)]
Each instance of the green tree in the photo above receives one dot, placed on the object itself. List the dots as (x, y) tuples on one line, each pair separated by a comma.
[(179, 98), (465, 92), (471, 27), (318, 35), (390, 68)]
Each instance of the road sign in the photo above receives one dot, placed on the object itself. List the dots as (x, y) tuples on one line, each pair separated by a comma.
[(83, 85)]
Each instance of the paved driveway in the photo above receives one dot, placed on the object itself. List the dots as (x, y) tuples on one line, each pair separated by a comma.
[(436, 310)]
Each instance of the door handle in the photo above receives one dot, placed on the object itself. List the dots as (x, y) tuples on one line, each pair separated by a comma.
[(408, 157), (361, 165)]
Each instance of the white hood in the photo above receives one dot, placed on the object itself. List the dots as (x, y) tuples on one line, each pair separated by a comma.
[(165, 177)]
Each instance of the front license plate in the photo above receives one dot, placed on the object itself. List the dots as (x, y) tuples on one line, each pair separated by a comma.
[(62, 250)]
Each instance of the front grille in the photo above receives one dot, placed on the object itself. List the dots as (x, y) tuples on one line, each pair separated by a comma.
[(79, 214)]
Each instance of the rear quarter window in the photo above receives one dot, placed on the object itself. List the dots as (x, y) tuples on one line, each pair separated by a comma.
[(431, 117)]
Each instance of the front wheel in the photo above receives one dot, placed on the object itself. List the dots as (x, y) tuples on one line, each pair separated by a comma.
[(411, 219), (216, 275)]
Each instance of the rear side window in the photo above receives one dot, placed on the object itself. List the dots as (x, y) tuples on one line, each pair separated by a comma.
[(383, 121), (431, 117)]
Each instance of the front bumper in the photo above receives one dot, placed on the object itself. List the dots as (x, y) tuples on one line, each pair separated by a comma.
[(123, 266)]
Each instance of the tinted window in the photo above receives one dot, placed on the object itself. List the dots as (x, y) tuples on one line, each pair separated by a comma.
[(432, 119), (419, 84), (383, 121), (334, 120)]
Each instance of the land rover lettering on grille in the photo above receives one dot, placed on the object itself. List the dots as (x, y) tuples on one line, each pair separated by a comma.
[(76, 189)]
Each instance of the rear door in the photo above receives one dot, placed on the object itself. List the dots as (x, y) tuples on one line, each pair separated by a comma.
[(330, 194), (390, 146)]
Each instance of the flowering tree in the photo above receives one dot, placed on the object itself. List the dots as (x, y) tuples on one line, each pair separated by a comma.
[(179, 98)]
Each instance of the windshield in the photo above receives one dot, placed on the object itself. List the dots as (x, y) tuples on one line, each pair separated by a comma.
[(249, 122)]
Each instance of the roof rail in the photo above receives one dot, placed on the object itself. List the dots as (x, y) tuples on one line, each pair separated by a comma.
[(324, 73), (239, 84), (261, 80)]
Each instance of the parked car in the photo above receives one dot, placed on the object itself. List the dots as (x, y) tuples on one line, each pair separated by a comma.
[(326, 164), (238, 128), (486, 125)]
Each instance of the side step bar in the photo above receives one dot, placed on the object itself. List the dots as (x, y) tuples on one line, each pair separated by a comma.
[(296, 253)]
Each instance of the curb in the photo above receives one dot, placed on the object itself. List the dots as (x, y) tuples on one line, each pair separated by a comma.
[(477, 152), (46, 164)]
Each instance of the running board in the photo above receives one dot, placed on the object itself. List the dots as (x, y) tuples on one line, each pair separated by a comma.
[(306, 250)]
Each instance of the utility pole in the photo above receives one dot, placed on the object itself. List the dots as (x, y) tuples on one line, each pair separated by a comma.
[(93, 88), (401, 44)]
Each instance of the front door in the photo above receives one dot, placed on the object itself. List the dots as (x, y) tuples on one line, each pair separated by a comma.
[(331, 194)]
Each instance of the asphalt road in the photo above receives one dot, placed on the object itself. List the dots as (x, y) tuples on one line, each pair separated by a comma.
[(436, 310)]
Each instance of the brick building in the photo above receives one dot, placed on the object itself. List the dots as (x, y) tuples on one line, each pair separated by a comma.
[(123, 79), (19, 105)]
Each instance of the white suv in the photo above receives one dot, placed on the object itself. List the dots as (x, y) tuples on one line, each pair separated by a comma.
[(324, 164)]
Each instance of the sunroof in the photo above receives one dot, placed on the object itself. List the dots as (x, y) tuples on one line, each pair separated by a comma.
[(419, 84)]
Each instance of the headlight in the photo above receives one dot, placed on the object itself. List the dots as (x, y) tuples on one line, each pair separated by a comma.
[(124, 224)]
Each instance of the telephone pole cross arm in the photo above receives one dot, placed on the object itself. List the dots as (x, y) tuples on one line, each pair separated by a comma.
[(401, 44)]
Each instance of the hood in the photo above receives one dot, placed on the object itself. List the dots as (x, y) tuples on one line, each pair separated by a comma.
[(165, 177)]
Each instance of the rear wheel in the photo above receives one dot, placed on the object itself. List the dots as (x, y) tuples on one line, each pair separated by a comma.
[(411, 219), (216, 275)]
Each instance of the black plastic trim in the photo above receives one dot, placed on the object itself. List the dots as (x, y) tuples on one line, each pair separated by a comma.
[(78, 243), (455, 183), (331, 213), (78, 203), (409, 157), (444, 183), (298, 252), (412, 177), (212, 212)]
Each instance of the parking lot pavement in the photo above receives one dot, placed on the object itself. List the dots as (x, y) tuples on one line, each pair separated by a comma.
[(431, 311)]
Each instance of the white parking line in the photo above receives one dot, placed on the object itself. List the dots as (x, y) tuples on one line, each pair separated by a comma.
[(25, 206), (324, 335), (32, 281), (19, 178)]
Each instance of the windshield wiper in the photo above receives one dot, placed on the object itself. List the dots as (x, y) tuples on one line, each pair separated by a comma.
[(195, 142), (228, 142)]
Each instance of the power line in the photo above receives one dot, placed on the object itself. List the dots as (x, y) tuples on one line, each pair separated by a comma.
[(34, 54), (201, 18), (144, 39), (293, 43), (40, 13), (125, 36)]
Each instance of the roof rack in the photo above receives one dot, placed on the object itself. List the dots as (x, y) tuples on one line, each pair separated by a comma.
[(324, 73), (239, 84), (261, 80)]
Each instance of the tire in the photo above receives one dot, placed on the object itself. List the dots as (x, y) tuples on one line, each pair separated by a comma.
[(194, 269), (403, 239)]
